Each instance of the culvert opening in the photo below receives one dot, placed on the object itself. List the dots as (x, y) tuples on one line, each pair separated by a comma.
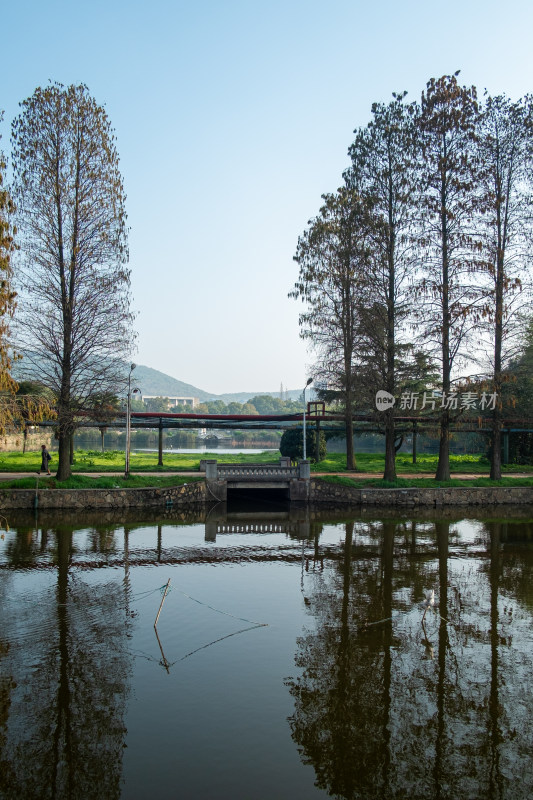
[(268, 497)]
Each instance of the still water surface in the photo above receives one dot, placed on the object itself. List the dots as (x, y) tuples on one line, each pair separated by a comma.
[(292, 657)]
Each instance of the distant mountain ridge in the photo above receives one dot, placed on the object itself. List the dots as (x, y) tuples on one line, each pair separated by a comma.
[(159, 384)]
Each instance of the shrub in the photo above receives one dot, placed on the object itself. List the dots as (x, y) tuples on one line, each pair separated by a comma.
[(291, 444)]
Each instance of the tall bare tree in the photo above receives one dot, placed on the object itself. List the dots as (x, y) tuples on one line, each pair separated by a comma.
[(333, 255), (75, 318), (385, 168), (506, 151), (449, 202)]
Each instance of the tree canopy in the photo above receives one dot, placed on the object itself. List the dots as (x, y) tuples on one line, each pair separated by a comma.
[(443, 253), (333, 256), (74, 320)]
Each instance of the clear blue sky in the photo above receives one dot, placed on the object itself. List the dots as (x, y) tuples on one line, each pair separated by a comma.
[(232, 118)]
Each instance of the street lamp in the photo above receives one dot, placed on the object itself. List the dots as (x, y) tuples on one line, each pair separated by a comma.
[(309, 380), (128, 421)]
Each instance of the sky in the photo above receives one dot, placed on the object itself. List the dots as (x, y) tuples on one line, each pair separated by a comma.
[(232, 118)]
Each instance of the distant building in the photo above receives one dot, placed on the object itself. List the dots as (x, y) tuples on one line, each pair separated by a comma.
[(191, 402)]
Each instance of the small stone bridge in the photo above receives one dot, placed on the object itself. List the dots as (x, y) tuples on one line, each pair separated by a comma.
[(292, 481)]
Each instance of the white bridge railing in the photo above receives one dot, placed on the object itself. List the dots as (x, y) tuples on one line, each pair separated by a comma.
[(263, 471), (255, 472), (256, 527)]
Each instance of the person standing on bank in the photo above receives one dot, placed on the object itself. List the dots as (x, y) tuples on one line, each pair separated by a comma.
[(45, 461)]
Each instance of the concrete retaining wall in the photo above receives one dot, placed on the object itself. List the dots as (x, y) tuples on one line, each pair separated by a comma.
[(188, 495), (331, 493), (193, 495), (14, 441)]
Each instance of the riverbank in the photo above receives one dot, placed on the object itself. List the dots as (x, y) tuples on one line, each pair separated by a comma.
[(195, 493), (185, 496), (98, 482), (324, 492)]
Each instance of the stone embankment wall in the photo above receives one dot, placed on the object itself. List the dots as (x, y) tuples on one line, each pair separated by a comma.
[(337, 494), (188, 495), (198, 494)]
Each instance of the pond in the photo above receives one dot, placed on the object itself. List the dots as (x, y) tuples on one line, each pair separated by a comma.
[(294, 655)]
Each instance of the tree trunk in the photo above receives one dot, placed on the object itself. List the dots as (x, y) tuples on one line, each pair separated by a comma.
[(496, 449), (390, 437), (390, 450), (443, 467), (350, 455), (63, 456), (65, 433), (317, 440), (496, 453)]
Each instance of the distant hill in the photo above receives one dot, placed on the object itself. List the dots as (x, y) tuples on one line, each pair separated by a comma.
[(152, 382), (159, 384)]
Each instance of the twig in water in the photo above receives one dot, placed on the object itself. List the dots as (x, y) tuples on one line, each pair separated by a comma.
[(162, 601)]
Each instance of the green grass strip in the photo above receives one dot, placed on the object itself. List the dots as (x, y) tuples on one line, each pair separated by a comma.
[(107, 482), (423, 483), (375, 463), (113, 461)]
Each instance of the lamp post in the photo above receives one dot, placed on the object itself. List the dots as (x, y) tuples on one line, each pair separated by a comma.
[(309, 380), (128, 423)]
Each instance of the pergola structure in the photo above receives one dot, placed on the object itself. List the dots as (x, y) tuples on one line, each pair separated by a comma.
[(321, 421)]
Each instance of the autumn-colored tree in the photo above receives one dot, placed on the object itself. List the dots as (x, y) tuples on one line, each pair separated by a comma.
[(74, 323), (33, 402), (7, 294), (449, 250)]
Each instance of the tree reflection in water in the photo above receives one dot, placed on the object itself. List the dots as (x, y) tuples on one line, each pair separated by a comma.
[(400, 709), (66, 727), (386, 702)]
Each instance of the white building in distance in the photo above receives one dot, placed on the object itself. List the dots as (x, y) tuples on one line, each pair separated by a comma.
[(191, 402)]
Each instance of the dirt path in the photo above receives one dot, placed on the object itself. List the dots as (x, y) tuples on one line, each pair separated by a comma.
[(11, 476)]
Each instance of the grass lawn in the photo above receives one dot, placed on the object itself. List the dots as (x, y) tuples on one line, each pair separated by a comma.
[(423, 483), (113, 461), (375, 462), (106, 482)]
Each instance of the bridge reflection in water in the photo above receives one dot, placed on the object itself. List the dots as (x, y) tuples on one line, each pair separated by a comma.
[(293, 522)]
